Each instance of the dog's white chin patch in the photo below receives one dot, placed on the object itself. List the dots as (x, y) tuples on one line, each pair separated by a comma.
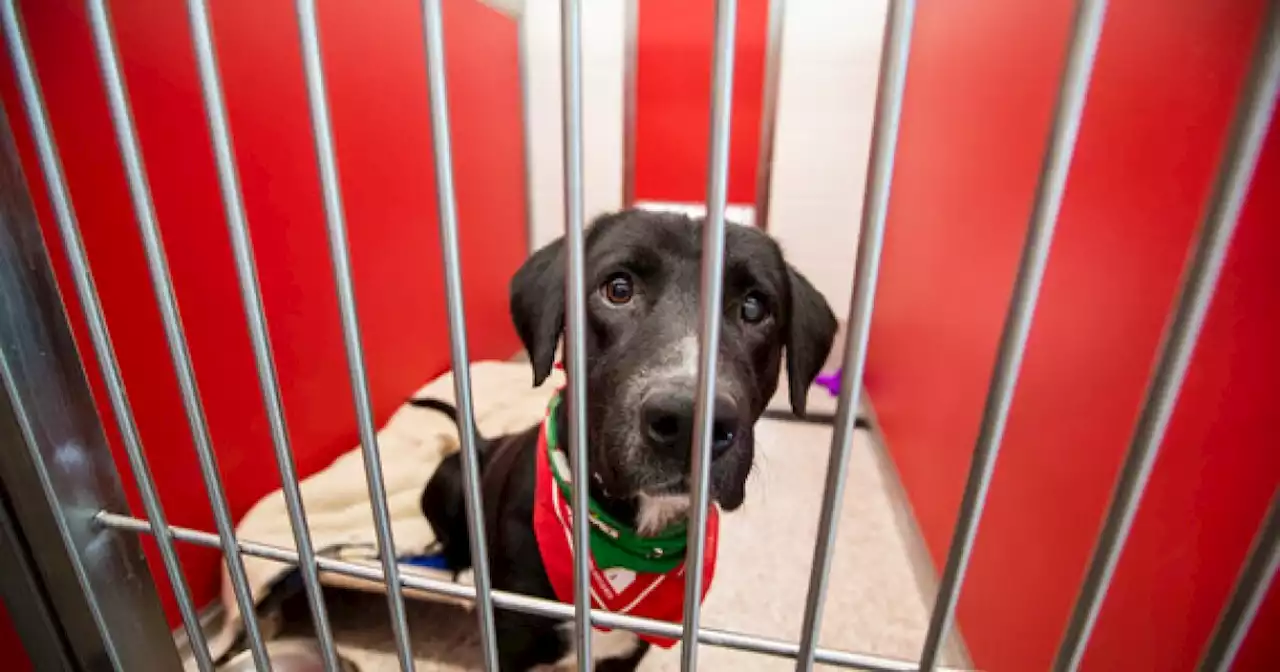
[(656, 512)]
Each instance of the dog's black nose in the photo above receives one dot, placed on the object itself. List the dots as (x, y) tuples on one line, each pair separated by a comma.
[(668, 423)]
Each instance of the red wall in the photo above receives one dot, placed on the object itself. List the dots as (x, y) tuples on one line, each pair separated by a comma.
[(15, 654), (673, 99), (980, 89), (374, 59)]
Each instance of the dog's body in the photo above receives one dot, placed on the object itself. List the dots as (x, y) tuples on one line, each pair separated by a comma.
[(643, 316)]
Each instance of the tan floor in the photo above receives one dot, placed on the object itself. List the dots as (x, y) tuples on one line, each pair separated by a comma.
[(875, 602)]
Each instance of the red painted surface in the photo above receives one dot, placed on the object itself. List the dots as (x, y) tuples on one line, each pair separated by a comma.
[(374, 60), (980, 90), (15, 655), (673, 99)]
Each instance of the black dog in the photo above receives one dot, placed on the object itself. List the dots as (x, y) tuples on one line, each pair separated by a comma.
[(643, 275)]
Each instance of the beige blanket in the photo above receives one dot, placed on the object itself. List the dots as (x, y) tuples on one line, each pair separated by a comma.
[(412, 444)]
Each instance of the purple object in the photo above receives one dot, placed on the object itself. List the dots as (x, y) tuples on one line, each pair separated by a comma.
[(830, 381)]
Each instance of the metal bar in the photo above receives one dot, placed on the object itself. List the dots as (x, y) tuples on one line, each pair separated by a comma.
[(1256, 576), (256, 318), (531, 605), (712, 289), (769, 110), (87, 294), (1199, 280), (576, 318), (23, 592), (1086, 32), (83, 598), (526, 117), (336, 228), (894, 56), (166, 300), (446, 198), (630, 93)]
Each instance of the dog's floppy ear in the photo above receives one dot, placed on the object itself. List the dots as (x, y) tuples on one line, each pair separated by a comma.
[(537, 306), (811, 328)]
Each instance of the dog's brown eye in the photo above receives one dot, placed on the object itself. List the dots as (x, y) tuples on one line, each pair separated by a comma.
[(753, 309), (618, 289)]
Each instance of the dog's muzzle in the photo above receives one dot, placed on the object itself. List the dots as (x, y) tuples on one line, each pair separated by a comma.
[(668, 426)]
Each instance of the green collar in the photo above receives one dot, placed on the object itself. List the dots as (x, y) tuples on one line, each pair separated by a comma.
[(613, 544)]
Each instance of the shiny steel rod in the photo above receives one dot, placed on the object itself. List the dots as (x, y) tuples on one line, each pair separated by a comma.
[(256, 318), (446, 200), (1256, 577), (99, 335), (712, 290), (894, 55), (171, 318), (531, 605), (1199, 280), (1073, 90), (576, 318), (336, 228)]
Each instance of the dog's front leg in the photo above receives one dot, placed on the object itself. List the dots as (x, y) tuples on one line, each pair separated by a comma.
[(526, 641)]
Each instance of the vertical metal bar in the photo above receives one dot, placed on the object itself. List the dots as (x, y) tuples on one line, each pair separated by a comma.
[(576, 317), (442, 140), (894, 56), (85, 597), (64, 212), (336, 227), (769, 110), (1086, 32), (256, 318), (712, 288), (630, 59), (23, 592), (526, 118), (166, 299), (1199, 280), (1250, 590)]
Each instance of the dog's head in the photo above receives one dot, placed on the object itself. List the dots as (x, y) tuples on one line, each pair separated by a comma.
[(642, 282)]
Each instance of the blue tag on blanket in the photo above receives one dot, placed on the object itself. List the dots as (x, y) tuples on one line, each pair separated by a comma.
[(434, 561)]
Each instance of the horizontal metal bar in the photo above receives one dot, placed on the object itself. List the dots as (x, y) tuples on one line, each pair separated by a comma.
[(532, 605), (1251, 589), (894, 54), (1195, 295), (1073, 91)]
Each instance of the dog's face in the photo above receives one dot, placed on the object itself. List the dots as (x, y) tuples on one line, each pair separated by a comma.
[(643, 276)]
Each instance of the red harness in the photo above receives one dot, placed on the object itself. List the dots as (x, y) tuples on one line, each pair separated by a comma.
[(616, 589)]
